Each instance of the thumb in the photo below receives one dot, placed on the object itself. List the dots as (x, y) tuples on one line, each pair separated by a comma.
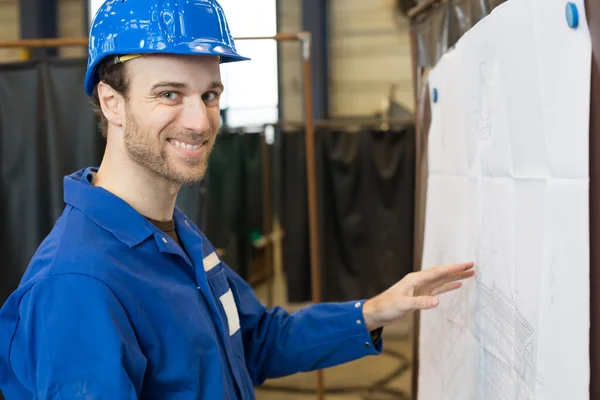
[(424, 302)]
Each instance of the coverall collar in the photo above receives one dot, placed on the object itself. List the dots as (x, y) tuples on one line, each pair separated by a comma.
[(106, 209)]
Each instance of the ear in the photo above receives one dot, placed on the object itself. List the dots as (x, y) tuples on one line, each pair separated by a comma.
[(112, 104)]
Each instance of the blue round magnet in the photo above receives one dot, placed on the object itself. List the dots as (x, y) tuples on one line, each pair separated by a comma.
[(435, 95), (572, 15)]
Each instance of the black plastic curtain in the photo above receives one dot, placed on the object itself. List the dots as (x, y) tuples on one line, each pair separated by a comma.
[(438, 29), (46, 132), (229, 206), (366, 184)]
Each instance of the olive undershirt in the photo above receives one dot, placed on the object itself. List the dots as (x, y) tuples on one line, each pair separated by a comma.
[(167, 227)]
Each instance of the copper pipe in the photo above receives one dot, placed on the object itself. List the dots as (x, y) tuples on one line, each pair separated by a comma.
[(280, 37), (41, 43), (83, 41), (267, 220), (418, 172), (311, 186), (346, 123)]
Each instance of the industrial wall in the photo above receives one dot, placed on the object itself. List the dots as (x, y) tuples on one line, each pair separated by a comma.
[(9, 27), (368, 52), (71, 23)]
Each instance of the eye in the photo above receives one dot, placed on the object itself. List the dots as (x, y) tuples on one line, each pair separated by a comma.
[(209, 96), (169, 95)]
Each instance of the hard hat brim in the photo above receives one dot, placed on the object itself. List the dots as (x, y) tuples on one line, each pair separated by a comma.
[(194, 48)]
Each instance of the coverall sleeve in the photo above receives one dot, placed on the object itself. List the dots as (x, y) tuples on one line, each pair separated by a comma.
[(74, 340), (278, 343)]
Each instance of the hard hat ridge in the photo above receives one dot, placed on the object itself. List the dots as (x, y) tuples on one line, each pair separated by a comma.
[(132, 27)]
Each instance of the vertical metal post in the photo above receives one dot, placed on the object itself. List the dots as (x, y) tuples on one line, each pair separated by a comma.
[(314, 21), (593, 16), (39, 19), (418, 198), (267, 218), (311, 185)]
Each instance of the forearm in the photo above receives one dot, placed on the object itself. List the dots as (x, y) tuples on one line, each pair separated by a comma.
[(316, 337)]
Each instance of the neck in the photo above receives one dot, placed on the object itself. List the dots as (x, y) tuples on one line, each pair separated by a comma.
[(149, 194)]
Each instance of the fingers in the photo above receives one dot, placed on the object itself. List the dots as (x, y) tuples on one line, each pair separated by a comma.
[(432, 287), (428, 302), (436, 281), (444, 273), (442, 270), (459, 276), (456, 277), (448, 287), (423, 302)]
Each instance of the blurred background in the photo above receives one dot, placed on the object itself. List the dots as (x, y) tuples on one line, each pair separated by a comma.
[(349, 73)]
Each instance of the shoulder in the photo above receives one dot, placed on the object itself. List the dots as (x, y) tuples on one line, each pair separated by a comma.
[(54, 295), (66, 254), (72, 259), (69, 289), (75, 245)]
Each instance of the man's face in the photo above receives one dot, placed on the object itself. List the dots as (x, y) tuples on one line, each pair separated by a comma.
[(172, 115)]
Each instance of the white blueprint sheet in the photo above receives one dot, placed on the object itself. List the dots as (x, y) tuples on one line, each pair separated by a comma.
[(508, 189)]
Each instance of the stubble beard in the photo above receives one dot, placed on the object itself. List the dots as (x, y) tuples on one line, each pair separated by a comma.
[(141, 149)]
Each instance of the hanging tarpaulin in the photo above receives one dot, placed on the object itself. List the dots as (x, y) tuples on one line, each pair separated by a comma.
[(47, 131), (365, 191), (230, 207), (438, 29)]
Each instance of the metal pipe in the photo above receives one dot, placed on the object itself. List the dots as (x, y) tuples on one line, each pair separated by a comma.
[(267, 220), (280, 37), (83, 41), (347, 123), (311, 186), (416, 233), (41, 43)]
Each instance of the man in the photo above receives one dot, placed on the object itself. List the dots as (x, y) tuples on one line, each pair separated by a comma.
[(126, 298)]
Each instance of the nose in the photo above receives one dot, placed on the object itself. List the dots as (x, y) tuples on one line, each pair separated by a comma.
[(195, 117)]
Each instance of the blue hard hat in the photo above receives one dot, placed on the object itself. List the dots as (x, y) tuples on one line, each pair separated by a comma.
[(122, 27)]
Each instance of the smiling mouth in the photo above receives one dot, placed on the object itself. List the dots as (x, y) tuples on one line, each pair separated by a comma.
[(187, 146), (188, 149)]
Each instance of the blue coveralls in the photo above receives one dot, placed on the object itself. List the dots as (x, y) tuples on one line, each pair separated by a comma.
[(112, 308)]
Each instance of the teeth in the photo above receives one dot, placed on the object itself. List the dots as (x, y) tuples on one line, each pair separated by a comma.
[(185, 146)]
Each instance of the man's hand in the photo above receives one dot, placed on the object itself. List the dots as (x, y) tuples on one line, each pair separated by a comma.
[(416, 291)]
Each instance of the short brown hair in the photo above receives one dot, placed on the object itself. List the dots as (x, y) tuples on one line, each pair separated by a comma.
[(114, 75)]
